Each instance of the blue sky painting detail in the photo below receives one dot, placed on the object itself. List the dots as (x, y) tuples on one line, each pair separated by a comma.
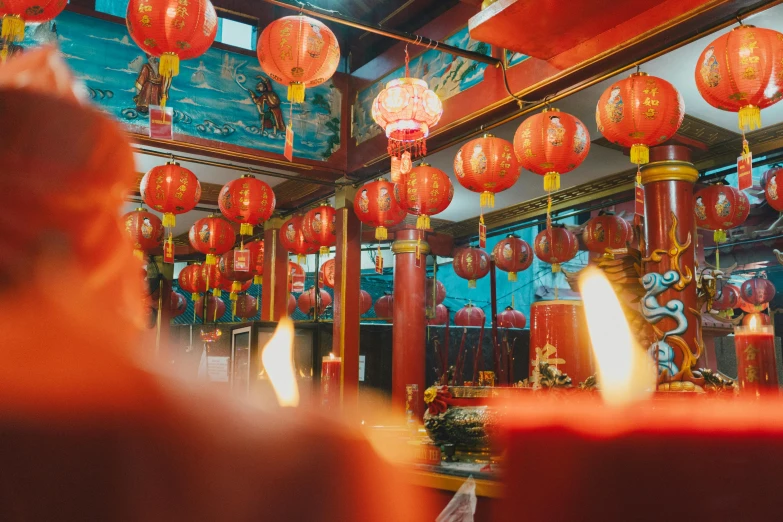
[(513, 58)]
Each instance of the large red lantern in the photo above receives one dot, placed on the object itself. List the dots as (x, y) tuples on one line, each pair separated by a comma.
[(375, 206), (306, 301), (424, 192), (216, 308), (187, 280), (729, 299), (606, 231), (510, 318), (720, 208), (246, 306), (172, 30), (774, 196), (248, 201), (384, 307), (556, 245), (256, 249), (326, 273), (757, 291), (170, 189), (144, 229), (210, 278), (441, 316), (16, 13), (228, 269), (741, 72), (318, 227), (470, 315), (299, 52), (512, 255), (439, 291), (749, 308), (365, 302), (292, 239), (212, 236), (639, 112), (487, 165), (178, 304), (471, 264)]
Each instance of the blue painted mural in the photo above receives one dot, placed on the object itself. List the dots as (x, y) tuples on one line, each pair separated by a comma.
[(513, 58), (445, 74), (221, 96)]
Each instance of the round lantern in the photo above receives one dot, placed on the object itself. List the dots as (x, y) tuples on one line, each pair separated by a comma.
[(299, 52), (172, 30), (178, 304), (228, 269), (248, 201), (318, 227), (441, 316), (326, 273), (740, 72), (216, 309), (769, 174), (469, 315), (551, 143), (771, 188), (292, 239), (756, 319), (306, 301), (246, 306), (639, 112), (291, 304), (16, 13), (170, 189), (757, 291), (606, 231), (510, 318), (749, 308), (212, 236), (424, 192), (384, 307), (296, 277), (471, 264), (144, 229), (210, 278), (729, 299), (365, 302), (256, 249), (440, 292), (375, 206), (487, 165), (556, 245), (187, 280), (512, 255), (719, 208)]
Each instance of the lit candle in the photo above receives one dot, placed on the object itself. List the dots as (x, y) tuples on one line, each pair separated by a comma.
[(331, 371), (756, 369)]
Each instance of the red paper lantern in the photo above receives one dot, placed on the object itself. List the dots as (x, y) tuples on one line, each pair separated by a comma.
[(606, 231), (424, 192), (365, 302), (216, 309), (296, 277), (749, 308), (306, 301), (291, 304), (556, 245), (441, 316), (256, 249), (512, 255), (510, 318), (756, 319), (741, 72), (144, 229), (228, 270), (471, 264), (210, 278), (299, 52), (188, 279), (246, 306), (173, 30), (16, 13), (292, 239), (375, 206), (170, 189), (773, 179), (769, 174), (729, 299), (551, 143), (384, 307), (212, 236), (248, 201), (639, 112), (470, 315), (440, 293), (719, 208), (326, 273), (487, 165), (757, 291), (318, 227), (178, 304)]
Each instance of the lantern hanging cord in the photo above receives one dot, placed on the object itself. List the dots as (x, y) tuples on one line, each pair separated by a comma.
[(520, 101)]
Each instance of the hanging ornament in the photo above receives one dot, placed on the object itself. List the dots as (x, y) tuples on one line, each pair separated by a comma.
[(606, 231), (365, 302), (216, 308), (172, 30), (555, 246), (256, 249), (487, 165), (248, 201), (384, 307), (774, 197), (326, 273), (232, 287), (211, 279), (178, 304), (298, 52), (757, 291), (375, 206), (749, 308), (720, 208), (440, 293), (212, 236), (145, 231), (424, 192), (406, 110), (292, 239), (510, 318), (318, 227), (470, 315), (639, 112), (512, 255), (296, 277), (306, 301), (236, 278), (246, 307), (729, 299), (471, 264), (441, 316), (187, 280), (16, 13)]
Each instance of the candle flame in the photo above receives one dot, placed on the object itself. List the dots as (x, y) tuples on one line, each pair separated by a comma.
[(753, 323), (624, 370), (278, 361)]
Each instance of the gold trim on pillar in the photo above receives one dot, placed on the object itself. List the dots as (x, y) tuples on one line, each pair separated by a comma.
[(269, 280), (344, 196), (343, 277), (408, 246), (669, 171)]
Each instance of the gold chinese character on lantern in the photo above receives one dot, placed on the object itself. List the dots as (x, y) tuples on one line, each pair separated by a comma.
[(751, 352), (751, 374)]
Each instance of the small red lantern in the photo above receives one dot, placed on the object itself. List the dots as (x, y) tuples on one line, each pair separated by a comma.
[(256, 249), (471, 264), (513, 255), (230, 274), (178, 304), (210, 278), (384, 307), (212, 236), (187, 280), (246, 306), (441, 316), (292, 239), (248, 201), (756, 319), (424, 192), (318, 227), (299, 52), (510, 318), (749, 308), (639, 112), (769, 174), (306, 301), (773, 178), (326, 273), (144, 229), (296, 277), (440, 292), (365, 302), (729, 299), (719, 208), (216, 308), (556, 245), (173, 30), (291, 304), (606, 231), (375, 206), (16, 13), (470, 315), (487, 165), (757, 291)]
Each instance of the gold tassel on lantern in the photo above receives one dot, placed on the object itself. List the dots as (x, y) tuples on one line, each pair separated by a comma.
[(471, 283), (381, 233), (512, 276), (168, 67), (640, 154), (138, 254), (217, 292), (423, 222), (257, 280), (324, 250), (169, 220), (556, 268), (551, 181), (236, 287), (301, 258), (488, 198), (245, 229), (12, 31), (211, 259), (195, 297), (296, 92), (749, 118)]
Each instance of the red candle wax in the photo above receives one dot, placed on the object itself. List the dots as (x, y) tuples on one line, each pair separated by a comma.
[(756, 369), (331, 371)]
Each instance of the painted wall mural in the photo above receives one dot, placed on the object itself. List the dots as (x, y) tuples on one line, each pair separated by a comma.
[(445, 74), (221, 96), (513, 58)]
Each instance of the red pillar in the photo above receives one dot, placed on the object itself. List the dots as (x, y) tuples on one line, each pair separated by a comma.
[(408, 330), (274, 291)]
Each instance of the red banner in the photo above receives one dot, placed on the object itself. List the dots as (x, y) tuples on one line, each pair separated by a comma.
[(288, 152), (241, 260), (482, 235), (639, 201), (161, 123), (379, 263), (745, 171), (168, 251)]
